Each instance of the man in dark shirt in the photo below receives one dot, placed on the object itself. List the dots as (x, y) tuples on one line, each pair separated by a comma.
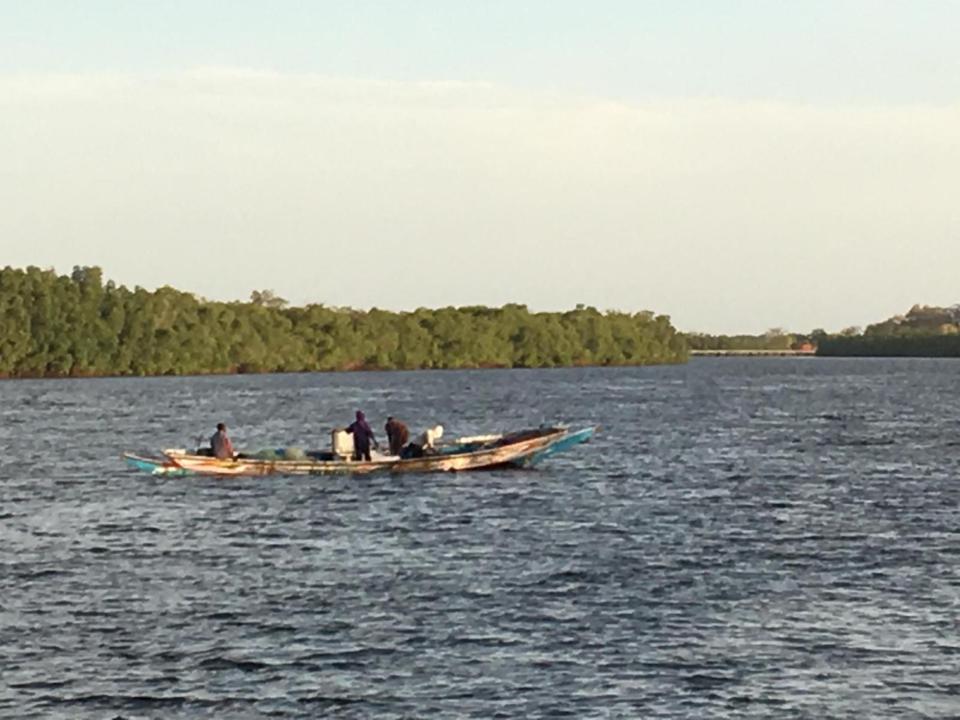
[(397, 435), (220, 444), (362, 436)]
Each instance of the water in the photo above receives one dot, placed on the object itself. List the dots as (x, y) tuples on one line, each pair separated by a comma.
[(747, 538)]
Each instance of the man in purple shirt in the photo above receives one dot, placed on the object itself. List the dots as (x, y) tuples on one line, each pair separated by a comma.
[(362, 436)]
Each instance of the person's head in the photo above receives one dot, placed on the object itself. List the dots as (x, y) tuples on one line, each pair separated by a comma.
[(360, 415), (390, 418), (221, 427)]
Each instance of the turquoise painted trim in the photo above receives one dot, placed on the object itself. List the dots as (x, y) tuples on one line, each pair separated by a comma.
[(154, 466), (564, 443)]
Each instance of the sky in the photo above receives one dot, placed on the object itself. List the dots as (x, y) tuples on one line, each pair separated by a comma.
[(737, 165)]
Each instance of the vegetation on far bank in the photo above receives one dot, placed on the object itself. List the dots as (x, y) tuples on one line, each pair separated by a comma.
[(774, 339), (924, 331), (77, 325)]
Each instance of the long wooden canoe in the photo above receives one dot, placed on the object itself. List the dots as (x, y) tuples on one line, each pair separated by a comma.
[(509, 450)]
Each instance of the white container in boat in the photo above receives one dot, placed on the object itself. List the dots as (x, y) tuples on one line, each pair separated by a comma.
[(428, 438), (342, 443)]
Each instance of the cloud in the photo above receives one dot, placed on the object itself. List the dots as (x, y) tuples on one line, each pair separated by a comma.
[(726, 214)]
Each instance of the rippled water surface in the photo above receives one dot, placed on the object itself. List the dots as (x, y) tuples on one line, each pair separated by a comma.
[(745, 538)]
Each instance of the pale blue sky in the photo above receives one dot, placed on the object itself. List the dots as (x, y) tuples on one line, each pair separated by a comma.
[(716, 161), (883, 51)]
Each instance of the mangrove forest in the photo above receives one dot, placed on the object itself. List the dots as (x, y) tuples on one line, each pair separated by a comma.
[(78, 325), (924, 331)]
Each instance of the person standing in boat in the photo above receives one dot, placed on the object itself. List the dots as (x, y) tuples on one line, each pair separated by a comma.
[(397, 435), (220, 445), (362, 437)]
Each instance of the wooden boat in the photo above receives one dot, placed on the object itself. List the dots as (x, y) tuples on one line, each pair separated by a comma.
[(508, 450), (560, 441)]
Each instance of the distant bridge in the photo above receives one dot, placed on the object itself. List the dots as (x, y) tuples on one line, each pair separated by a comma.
[(754, 353)]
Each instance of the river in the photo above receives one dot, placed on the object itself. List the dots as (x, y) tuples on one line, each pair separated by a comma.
[(769, 537)]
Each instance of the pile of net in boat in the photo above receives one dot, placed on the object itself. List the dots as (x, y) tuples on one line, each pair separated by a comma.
[(289, 453)]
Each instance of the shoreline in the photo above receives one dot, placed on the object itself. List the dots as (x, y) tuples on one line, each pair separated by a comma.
[(106, 376)]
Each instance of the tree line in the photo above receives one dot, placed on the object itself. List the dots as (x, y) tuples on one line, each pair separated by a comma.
[(78, 325), (923, 331), (891, 346), (773, 339)]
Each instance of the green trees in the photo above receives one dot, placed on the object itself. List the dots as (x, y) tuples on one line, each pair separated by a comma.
[(15, 340), (773, 339), (946, 345), (922, 332), (53, 326)]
